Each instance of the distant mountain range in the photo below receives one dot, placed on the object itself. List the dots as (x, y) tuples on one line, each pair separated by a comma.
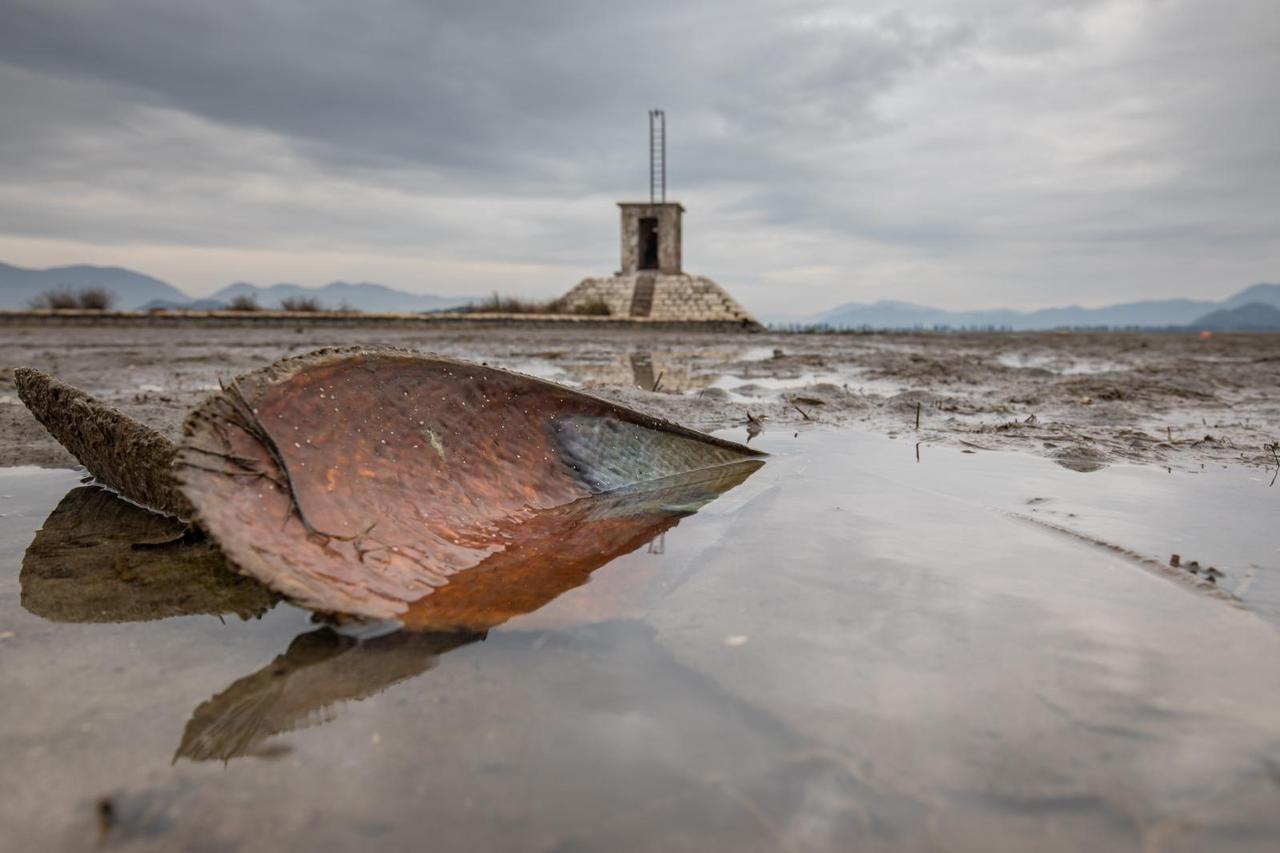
[(137, 292), (19, 286), (1254, 308), (1251, 317), (1239, 308)]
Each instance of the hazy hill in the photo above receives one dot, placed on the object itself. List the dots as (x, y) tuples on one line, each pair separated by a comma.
[(135, 291), (18, 286), (1153, 313), (1264, 294), (1250, 317), (365, 297)]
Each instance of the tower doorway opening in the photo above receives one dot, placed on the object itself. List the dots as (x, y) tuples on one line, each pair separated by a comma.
[(648, 243)]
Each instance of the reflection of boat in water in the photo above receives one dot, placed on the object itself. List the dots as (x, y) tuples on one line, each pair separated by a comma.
[(558, 549), (319, 670), (546, 555), (102, 559)]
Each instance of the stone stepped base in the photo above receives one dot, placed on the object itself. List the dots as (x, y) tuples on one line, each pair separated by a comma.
[(675, 298)]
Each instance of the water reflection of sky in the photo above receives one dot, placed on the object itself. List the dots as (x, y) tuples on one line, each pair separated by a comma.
[(851, 649)]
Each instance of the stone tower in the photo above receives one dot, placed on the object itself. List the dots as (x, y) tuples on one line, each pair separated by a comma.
[(651, 283), (651, 237)]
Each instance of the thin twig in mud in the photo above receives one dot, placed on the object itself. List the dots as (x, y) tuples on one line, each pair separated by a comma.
[(802, 412), (917, 416), (918, 451), (657, 383)]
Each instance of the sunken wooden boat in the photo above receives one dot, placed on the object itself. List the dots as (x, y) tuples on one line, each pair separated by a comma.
[(388, 484)]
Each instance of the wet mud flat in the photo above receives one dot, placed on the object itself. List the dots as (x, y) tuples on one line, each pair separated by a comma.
[(1085, 400), (855, 646)]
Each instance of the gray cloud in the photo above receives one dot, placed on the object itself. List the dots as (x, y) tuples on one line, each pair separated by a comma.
[(959, 153)]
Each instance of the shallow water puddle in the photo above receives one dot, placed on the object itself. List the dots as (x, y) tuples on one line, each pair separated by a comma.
[(850, 649)]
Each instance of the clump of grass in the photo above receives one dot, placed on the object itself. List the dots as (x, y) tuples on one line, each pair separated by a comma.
[(95, 299), (244, 302), (63, 299), (54, 300), (498, 304), (300, 303), (591, 308)]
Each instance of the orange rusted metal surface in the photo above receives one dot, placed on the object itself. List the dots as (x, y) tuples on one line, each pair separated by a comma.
[(450, 496)]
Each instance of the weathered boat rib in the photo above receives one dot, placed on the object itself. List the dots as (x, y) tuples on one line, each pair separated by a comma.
[(357, 480), (122, 454)]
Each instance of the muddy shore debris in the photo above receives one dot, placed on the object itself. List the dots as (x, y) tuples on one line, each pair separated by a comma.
[(1132, 397)]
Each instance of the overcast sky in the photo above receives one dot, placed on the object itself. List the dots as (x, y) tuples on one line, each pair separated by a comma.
[(958, 153)]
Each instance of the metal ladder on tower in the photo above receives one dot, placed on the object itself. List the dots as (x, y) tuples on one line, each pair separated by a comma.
[(657, 157)]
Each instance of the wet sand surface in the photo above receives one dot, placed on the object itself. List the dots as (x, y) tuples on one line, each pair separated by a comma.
[(856, 648), (1083, 399)]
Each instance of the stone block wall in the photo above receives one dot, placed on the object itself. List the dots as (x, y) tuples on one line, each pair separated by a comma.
[(614, 292), (676, 298), (668, 215)]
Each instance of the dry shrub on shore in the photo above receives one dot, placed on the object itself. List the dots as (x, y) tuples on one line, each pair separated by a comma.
[(498, 304), (95, 299), (244, 302), (54, 300), (63, 299), (592, 308), (249, 302), (300, 303)]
